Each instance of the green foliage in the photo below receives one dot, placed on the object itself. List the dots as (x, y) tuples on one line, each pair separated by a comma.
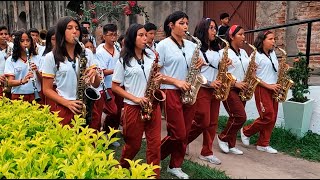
[(97, 11), (299, 74), (34, 145)]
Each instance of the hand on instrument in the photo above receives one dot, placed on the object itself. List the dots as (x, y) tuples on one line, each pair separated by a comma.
[(2, 79), (216, 84), (240, 85), (158, 78), (229, 63), (200, 63), (34, 67), (75, 106), (90, 75), (183, 85), (27, 77), (274, 87), (141, 101)]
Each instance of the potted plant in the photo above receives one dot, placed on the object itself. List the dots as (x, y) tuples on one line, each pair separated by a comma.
[(297, 110)]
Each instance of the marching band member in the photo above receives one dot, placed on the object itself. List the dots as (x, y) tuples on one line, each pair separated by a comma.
[(175, 59), (267, 72), (207, 112), (132, 70), (21, 67), (233, 105), (108, 54), (62, 66)]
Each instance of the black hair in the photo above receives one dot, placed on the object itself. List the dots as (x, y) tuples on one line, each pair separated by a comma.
[(228, 36), (121, 37), (33, 30), (60, 51), (224, 15), (128, 51), (85, 22), (3, 27), (150, 26), (49, 47), (201, 32), (258, 42), (16, 52), (173, 17), (109, 27)]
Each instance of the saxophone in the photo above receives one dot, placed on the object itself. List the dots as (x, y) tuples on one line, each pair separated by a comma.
[(153, 91), (283, 79), (193, 77), (86, 94), (35, 89), (223, 75), (250, 77)]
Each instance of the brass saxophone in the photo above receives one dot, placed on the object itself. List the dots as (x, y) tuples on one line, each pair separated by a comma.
[(223, 75), (193, 77), (86, 94), (34, 79), (250, 77), (153, 91), (283, 79)]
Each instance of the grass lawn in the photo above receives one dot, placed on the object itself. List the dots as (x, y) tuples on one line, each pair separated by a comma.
[(307, 147)]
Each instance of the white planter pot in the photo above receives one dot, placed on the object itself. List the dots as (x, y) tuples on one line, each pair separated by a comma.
[(297, 116)]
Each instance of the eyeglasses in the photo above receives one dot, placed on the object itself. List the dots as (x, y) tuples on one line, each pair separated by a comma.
[(212, 28)]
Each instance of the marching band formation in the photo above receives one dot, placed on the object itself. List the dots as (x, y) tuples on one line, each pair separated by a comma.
[(134, 82)]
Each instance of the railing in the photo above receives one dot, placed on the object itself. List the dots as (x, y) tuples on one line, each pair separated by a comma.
[(308, 43)]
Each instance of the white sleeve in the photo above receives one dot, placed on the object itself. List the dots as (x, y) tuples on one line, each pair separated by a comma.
[(49, 66), (161, 51), (9, 69), (118, 72)]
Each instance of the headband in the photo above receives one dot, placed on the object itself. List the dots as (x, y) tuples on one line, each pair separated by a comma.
[(232, 29), (265, 32)]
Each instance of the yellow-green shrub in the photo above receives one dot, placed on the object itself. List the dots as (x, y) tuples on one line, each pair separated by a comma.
[(34, 145)]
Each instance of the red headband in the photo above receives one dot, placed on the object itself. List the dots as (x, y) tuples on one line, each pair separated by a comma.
[(265, 32), (232, 29)]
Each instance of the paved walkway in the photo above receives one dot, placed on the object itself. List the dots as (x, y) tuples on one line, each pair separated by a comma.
[(254, 164)]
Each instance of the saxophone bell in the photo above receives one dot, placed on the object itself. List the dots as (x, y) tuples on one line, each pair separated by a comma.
[(92, 94)]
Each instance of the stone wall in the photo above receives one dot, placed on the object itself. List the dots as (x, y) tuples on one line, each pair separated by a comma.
[(293, 38)]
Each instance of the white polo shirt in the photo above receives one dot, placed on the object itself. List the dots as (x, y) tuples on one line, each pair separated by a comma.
[(19, 70), (207, 71), (265, 71), (107, 62), (66, 75), (133, 78), (172, 61), (239, 63), (2, 62)]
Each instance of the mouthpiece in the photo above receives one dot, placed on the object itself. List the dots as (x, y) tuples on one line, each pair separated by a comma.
[(187, 33), (27, 51)]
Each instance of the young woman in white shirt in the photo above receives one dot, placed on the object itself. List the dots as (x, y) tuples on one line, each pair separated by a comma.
[(234, 105), (267, 106), (21, 69), (175, 54), (62, 66), (132, 70)]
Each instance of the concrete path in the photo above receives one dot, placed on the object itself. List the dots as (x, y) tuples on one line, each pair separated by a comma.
[(254, 164)]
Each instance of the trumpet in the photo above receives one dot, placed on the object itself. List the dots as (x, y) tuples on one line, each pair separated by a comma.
[(35, 89)]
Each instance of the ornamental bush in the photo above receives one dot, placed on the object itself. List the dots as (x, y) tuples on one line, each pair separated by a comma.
[(34, 145)]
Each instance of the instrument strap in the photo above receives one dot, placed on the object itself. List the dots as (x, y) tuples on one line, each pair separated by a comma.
[(141, 63), (180, 47), (239, 55), (205, 57), (269, 57)]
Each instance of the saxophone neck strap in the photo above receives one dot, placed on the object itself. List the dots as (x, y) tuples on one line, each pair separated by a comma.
[(269, 57), (141, 63), (180, 47), (206, 58)]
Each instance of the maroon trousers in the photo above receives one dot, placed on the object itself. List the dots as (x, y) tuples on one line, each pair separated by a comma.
[(97, 112), (205, 119), (26, 97), (113, 110), (64, 113), (133, 128), (237, 117), (268, 111), (179, 120)]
